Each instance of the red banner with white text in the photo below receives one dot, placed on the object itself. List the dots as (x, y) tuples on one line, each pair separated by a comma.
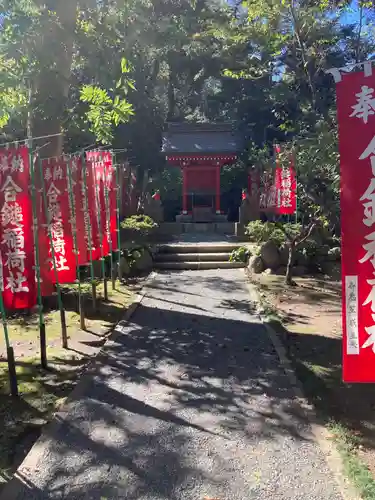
[(356, 120), (17, 273), (286, 186), (56, 204)]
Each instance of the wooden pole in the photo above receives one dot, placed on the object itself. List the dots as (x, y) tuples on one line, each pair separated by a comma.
[(73, 224), (42, 324)]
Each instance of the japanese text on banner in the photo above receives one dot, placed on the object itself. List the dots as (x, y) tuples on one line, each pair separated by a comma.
[(356, 117), (17, 276)]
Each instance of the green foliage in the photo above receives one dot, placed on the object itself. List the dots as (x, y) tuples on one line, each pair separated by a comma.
[(105, 112), (240, 254), (139, 224), (260, 232)]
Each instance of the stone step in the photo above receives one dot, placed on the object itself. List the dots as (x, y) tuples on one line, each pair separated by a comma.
[(198, 248), (189, 265), (192, 257)]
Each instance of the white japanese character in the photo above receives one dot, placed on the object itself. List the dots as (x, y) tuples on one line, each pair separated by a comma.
[(17, 164), (53, 193), (371, 295), (11, 214), (4, 164), (16, 259), (61, 264), (370, 249), (17, 284), (10, 189), (14, 238), (286, 202), (48, 174), (365, 106), (371, 339), (370, 150), (286, 183), (57, 229), (54, 211), (57, 173), (59, 246), (369, 207)]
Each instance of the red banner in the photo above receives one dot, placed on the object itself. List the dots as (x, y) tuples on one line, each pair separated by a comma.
[(59, 219), (112, 202), (77, 212), (268, 194), (90, 211), (286, 186), (96, 161), (17, 273), (356, 119)]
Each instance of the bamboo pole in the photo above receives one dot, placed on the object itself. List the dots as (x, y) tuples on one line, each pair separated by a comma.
[(101, 235), (42, 324), (73, 224), (88, 227), (118, 202), (64, 333), (108, 225)]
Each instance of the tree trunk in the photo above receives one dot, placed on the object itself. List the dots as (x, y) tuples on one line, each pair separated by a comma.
[(289, 269), (51, 87)]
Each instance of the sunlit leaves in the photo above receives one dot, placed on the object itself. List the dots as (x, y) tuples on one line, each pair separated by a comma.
[(104, 112)]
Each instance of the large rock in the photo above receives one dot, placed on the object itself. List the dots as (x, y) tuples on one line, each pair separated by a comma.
[(270, 255), (124, 267), (256, 264), (144, 262)]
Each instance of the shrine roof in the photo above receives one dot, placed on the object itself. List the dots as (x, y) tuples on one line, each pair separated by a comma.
[(201, 138)]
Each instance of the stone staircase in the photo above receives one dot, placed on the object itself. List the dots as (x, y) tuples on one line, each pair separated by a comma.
[(182, 256)]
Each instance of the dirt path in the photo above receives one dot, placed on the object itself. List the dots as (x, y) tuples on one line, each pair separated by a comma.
[(187, 401)]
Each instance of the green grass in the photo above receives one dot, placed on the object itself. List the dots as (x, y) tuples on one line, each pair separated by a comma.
[(355, 468)]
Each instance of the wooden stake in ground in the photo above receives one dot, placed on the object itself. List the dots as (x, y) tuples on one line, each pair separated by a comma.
[(42, 325), (73, 224), (10, 352), (64, 333)]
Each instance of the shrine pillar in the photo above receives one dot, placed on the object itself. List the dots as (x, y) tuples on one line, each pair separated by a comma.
[(217, 190), (184, 190)]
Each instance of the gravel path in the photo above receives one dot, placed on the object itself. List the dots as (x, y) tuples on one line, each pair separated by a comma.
[(188, 401)]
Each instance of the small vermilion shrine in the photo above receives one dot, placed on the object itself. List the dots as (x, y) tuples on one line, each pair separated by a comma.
[(200, 151)]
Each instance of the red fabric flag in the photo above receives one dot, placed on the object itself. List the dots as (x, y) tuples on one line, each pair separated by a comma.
[(58, 208), (17, 273), (91, 218), (75, 166), (268, 194), (356, 119), (97, 161), (112, 202), (286, 187)]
